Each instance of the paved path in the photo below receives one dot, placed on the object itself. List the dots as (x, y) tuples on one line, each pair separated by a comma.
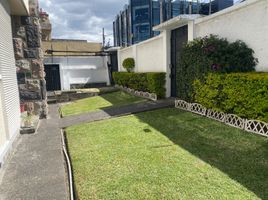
[(115, 112), (36, 170)]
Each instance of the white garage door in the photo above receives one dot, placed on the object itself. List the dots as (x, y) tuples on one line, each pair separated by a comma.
[(9, 89)]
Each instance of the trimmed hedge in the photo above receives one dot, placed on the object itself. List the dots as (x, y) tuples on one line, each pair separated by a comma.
[(129, 64), (152, 82), (244, 94), (211, 54)]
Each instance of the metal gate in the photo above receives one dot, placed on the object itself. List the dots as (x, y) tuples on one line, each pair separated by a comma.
[(53, 77), (179, 37)]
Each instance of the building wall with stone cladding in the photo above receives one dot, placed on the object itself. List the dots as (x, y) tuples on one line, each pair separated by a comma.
[(29, 61)]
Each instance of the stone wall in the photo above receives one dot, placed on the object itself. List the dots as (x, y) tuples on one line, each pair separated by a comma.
[(29, 61)]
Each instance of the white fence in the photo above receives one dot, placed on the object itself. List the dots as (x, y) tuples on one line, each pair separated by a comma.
[(253, 126), (146, 95)]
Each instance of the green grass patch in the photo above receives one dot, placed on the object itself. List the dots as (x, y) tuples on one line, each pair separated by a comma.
[(167, 154), (99, 102)]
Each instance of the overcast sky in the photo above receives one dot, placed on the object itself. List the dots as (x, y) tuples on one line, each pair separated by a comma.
[(82, 19)]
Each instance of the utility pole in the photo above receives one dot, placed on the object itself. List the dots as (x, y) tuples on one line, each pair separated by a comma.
[(209, 7), (103, 38)]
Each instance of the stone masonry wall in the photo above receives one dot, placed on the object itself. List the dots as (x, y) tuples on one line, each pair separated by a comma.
[(29, 61)]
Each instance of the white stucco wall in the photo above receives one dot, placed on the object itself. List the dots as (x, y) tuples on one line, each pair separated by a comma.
[(81, 70), (152, 55), (247, 21), (129, 52), (148, 55)]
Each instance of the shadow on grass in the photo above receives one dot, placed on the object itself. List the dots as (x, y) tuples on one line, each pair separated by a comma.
[(102, 102), (121, 98), (240, 155)]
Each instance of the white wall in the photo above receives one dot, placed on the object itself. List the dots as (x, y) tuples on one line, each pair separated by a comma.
[(150, 56), (81, 70), (247, 21)]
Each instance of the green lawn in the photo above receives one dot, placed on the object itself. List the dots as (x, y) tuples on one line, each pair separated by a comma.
[(99, 102), (167, 154)]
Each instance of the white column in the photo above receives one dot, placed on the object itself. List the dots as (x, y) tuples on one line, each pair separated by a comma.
[(119, 60), (191, 31), (167, 59), (106, 61), (134, 53)]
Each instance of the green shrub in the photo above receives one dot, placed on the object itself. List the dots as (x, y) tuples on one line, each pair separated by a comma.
[(211, 54), (129, 64), (152, 82), (244, 94)]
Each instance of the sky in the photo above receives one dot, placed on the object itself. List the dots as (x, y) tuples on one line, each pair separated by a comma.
[(82, 19)]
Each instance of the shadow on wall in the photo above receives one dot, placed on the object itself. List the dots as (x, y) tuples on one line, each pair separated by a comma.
[(243, 158)]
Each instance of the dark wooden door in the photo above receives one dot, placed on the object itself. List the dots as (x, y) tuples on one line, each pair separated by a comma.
[(53, 77), (179, 37), (113, 66)]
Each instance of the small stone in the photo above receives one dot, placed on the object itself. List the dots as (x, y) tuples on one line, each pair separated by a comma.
[(26, 20), (26, 95), (37, 69), (23, 66), (36, 21), (43, 89), (33, 36), (41, 53), (33, 85), (21, 32), (30, 108), (18, 48), (31, 53)]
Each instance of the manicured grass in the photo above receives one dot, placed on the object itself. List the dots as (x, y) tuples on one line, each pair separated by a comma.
[(99, 102), (167, 154)]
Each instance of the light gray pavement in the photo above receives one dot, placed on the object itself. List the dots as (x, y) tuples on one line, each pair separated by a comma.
[(115, 112), (36, 170)]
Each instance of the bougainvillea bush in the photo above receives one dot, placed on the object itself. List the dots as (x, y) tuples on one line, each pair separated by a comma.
[(211, 54)]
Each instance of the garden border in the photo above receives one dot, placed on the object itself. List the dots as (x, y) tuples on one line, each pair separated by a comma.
[(146, 95), (252, 126)]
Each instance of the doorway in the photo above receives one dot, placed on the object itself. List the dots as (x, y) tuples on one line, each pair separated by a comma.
[(53, 77), (179, 37), (113, 66)]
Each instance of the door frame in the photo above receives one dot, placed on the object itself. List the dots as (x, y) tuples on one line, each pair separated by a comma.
[(173, 59), (60, 73)]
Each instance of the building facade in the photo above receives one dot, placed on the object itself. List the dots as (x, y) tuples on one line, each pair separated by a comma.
[(135, 23), (244, 21), (71, 64)]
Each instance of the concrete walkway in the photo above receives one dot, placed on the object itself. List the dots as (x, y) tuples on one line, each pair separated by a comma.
[(115, 112), (36, 169)]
